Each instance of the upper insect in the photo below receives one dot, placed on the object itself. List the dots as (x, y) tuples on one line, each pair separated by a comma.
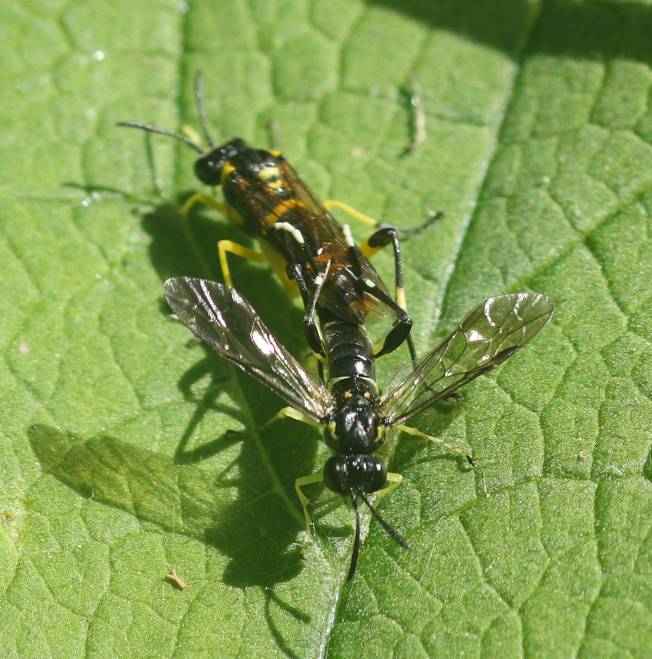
[(309, 250)]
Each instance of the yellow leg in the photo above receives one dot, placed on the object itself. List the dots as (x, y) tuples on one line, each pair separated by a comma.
[(394, 481), (290, 413), (400, 298), (440, 442), (226, 246), (302, 481), (206, 200), (277, 263), (368, 250), (365, 247), (365, 219)]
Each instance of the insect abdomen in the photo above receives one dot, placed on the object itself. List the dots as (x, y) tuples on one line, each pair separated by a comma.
[(348, 347)]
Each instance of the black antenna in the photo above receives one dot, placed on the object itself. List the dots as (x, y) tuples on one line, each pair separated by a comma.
[(201, 110), (395, 535), (356, 542), (162, 131)]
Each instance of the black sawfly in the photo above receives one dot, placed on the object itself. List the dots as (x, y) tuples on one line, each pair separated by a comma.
[(298, 235), (354, 415)]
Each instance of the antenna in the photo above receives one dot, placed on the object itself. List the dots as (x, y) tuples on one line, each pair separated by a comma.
[(391, 531), (201, 110), (162, 131), (356, 542)]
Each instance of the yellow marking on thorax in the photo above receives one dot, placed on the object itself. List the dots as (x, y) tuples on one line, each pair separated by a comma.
[(271, 177), (281, 209), (226, 170), (268, 172)]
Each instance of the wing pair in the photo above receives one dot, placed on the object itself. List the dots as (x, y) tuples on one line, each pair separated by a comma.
[(488, 335)]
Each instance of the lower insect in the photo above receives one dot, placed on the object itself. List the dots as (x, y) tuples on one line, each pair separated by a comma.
[(348, 405)]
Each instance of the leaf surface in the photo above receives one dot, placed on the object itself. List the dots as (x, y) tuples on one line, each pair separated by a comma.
[(118, 458)]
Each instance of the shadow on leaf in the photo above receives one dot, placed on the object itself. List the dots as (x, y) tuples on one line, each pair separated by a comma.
[(470, 17), (255, 529), (435, 421), (592, 30), (250, 524), (246, 509)]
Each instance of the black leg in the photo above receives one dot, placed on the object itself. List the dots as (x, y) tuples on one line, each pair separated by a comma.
[(403, 324), (295, 271), (400, 330), (379, 239)]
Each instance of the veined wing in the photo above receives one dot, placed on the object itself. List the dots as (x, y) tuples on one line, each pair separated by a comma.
[(489, 334), (321, 229), (323, 241), (226, 322)]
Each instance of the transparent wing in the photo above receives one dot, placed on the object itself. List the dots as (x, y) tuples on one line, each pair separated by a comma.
[(322, 229), (227, 323), (489, 334)]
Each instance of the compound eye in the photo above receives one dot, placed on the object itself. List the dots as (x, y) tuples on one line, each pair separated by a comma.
[(336, 476), (208, 170)]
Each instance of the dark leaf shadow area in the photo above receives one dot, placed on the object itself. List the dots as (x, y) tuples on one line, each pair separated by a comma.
[(597, 29), (233, 492), (187, 246), (497, 24), (248, 511), (255, 529)]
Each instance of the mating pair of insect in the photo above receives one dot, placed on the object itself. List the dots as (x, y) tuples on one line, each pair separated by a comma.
[(342, 294)]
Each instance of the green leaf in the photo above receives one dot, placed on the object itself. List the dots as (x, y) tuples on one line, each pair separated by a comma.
[(118, 458)]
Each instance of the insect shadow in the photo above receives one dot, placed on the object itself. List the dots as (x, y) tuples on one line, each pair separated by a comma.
[(180, 499), (258, 530), (233, 492)]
